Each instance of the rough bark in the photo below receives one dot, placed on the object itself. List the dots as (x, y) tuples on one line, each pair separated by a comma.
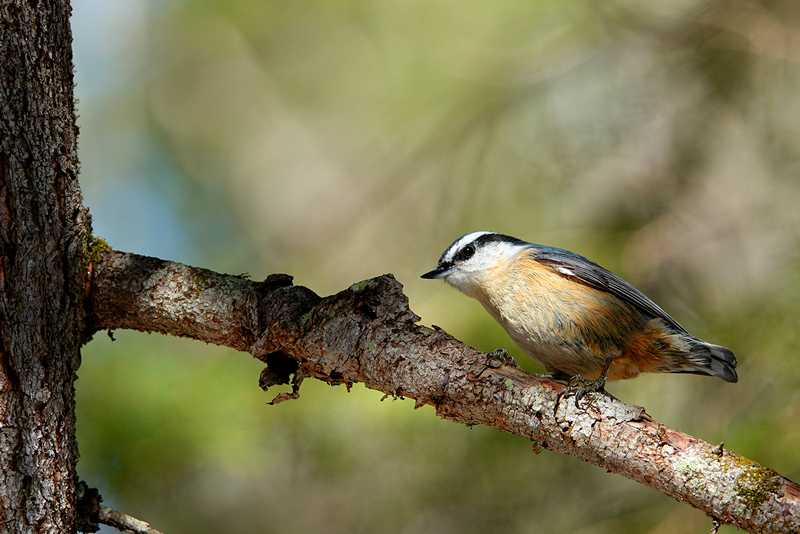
[(42, 276), (367, 334)]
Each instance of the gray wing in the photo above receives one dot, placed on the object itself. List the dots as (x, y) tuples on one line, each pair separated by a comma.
[(576, 266)]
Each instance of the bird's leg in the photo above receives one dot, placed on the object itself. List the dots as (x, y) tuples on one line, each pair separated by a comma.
[(578, 386)]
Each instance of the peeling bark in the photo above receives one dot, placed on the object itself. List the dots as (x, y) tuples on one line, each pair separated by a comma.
[(368, 334)]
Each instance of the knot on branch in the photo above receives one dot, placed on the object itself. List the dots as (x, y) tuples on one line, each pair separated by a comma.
[(279, 370), (283, 309), (332, 338), (275, 281), (87, 512), (327, 338)]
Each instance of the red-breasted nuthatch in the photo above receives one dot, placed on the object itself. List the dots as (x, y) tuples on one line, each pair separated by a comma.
[(580, 321)]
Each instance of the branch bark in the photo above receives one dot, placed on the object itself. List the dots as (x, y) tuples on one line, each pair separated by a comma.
[(368, 334), (124, 522)]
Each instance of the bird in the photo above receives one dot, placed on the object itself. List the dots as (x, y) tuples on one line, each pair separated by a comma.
[(582, 323)]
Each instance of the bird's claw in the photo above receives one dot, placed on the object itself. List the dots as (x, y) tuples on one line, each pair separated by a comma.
[(497, 357), (578, 387)]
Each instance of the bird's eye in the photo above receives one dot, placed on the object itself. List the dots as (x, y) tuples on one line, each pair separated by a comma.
[(465, 253)]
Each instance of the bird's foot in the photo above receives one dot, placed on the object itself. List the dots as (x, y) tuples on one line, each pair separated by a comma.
[(578, 387), (497, 357)]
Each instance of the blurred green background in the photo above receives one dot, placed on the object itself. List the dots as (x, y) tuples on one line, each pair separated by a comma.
[(338, 141)]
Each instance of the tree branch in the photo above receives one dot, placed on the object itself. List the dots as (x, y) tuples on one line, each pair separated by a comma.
[(368, 334), (124, 522)]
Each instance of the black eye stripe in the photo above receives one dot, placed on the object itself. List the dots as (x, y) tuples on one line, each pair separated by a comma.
[(465, 253), (451, 255), (489, 238)]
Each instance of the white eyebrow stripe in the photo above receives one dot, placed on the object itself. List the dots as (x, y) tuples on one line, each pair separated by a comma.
[(460, 243)]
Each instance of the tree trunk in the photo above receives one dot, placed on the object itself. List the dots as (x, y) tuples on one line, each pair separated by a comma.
[(43, 236)]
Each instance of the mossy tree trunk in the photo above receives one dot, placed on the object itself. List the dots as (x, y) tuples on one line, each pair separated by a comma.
[(43, 233)]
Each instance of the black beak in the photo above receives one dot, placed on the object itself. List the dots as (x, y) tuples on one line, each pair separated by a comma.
[(436, 273)]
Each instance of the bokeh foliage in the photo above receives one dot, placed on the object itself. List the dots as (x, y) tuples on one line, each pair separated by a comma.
[(336, 141)]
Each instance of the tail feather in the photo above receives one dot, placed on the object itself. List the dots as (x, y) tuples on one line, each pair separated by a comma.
[(712, 360), (723, 359)]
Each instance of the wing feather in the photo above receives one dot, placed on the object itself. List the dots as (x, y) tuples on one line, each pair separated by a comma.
[(576, 266)]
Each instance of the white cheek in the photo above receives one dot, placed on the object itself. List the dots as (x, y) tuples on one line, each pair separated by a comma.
[(455, 279), (465, 283)]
